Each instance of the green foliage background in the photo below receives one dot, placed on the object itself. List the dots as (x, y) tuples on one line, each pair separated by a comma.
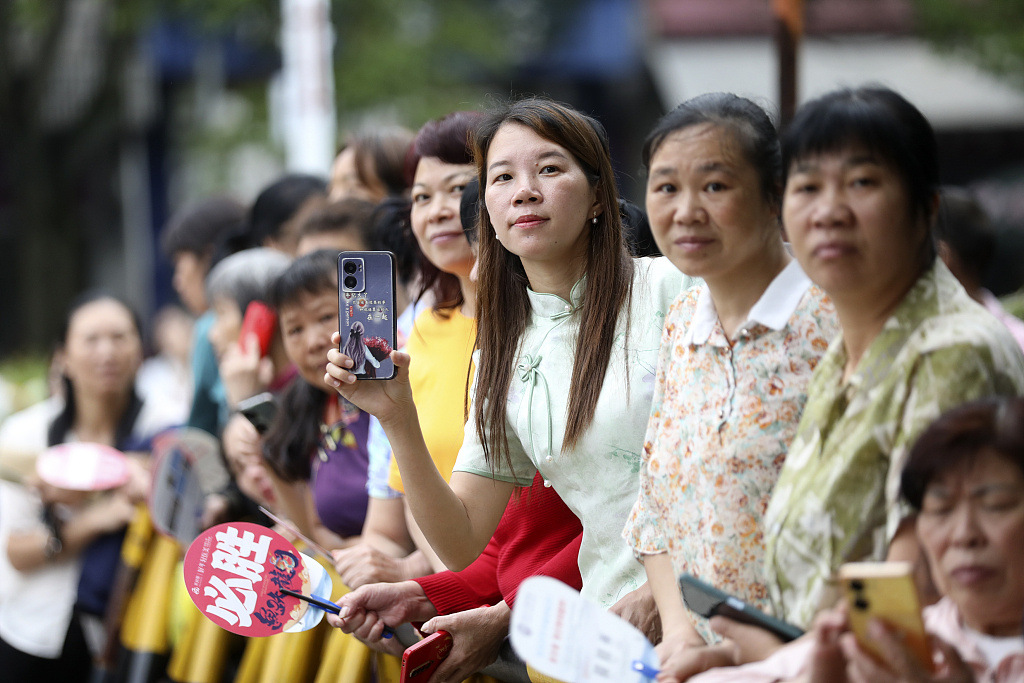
[(991, 32)]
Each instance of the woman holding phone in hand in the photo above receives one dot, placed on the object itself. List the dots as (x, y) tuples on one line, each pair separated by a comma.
[(568, 333), (441, 339)]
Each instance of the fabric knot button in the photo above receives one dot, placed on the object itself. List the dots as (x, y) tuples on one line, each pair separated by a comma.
[(547, 483), (527, 367), (566, 312), (549, 458), (531, 375)]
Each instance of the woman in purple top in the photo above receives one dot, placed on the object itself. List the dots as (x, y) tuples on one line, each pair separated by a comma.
[(316, 446)]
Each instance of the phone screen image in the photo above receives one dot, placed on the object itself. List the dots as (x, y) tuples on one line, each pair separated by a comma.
[(366, 311)]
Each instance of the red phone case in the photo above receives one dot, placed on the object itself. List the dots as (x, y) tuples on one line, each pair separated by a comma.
[(420, 661), (260, 320)]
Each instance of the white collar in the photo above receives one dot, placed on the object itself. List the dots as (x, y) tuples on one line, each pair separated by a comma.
[(773, 309)]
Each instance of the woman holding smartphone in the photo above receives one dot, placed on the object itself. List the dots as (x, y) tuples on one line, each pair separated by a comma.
[(568, 332), (441, 340)]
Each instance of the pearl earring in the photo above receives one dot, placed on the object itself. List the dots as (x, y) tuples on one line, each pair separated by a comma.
[(594, 220)]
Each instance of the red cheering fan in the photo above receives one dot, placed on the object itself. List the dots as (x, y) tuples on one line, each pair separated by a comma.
[(250, 580)]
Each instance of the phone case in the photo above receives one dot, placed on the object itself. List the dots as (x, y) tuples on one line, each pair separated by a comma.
[(707, 601), (366, 311), (419, 661), (885, 590), (260, 320)]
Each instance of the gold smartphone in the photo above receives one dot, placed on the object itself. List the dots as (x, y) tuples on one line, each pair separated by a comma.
[(886, 591)]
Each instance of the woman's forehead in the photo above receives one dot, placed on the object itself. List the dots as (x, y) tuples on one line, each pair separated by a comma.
[(985, 468), (100, 312)]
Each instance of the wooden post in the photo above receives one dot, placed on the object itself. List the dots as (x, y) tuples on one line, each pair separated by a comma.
[(789, 28)]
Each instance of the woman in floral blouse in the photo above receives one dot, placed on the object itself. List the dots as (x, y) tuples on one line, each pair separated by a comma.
[(736, 356), (859, 202)]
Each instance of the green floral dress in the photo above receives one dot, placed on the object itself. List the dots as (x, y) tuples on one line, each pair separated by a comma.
[(836, 499)]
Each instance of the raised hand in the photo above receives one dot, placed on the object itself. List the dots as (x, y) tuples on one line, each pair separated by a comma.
[(388, 400)]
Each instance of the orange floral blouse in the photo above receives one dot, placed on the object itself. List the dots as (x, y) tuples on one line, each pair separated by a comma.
[(723, 415)]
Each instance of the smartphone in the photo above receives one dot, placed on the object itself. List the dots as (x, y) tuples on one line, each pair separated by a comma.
[(886, 591), (366, 311), (259, 410), (260, 320), (707, 601), (419, 661)]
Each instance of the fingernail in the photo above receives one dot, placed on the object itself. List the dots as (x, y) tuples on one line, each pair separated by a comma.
[(343, 612), (351, 379), (336, 382)]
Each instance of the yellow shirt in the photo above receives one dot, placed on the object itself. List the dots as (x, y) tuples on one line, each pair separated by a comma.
[(441, 351)]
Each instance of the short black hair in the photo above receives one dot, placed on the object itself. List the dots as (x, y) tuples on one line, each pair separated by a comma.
[(957, 436), (344, 215), (963, 225), (879, 121), (198, 227), (311, 273), (754, 130), (278, 202)]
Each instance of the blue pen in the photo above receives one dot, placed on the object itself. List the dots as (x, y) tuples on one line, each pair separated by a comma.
[(645, 670), (327, 606)]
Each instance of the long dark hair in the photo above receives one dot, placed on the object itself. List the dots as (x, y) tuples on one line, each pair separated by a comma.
[(354, 347), (503, 306), (294, 434), (446, 139), (57, 433)]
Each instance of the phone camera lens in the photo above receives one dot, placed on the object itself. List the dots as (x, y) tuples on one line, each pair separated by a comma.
[(350, 268), (861, 604), (351, 281), (857, 585)]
